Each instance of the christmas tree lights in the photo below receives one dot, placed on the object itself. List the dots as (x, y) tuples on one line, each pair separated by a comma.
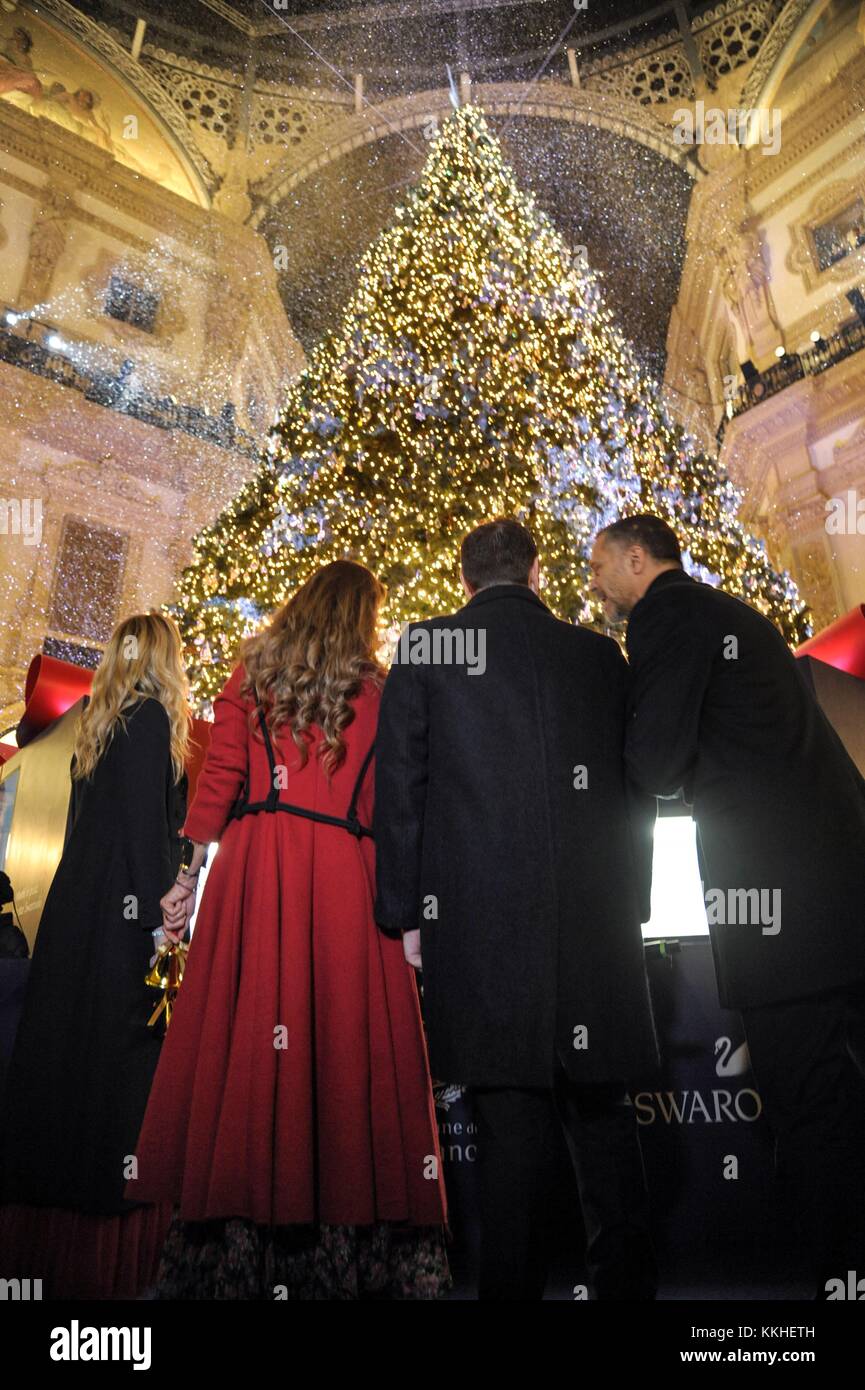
[(476, 372)]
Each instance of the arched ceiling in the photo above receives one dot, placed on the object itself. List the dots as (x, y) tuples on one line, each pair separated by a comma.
[(627, 204), (398, 44), (624, 198), (324, 163)]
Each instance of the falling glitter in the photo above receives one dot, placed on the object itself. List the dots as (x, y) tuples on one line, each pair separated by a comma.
[(476, 372)]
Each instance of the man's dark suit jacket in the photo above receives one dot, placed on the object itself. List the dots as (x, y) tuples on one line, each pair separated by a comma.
[(533, 881), (718, 705)]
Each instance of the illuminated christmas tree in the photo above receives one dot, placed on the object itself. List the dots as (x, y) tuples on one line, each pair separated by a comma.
[(476, 372)]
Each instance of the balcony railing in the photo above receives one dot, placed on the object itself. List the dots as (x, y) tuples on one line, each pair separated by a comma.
[(117, 391), (794, 367)]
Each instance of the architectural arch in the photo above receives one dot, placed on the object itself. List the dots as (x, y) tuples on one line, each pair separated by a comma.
[(551, 100), (777, 55)]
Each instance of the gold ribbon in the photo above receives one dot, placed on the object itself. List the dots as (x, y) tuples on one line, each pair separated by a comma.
[(167, 975)]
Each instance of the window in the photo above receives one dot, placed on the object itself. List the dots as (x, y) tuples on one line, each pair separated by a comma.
[(87, 580), (131, 304), (73, 652), (839, 235)]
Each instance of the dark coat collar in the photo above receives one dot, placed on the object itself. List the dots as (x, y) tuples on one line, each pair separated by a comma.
[(669, 577), (665, 580), (498, 591)]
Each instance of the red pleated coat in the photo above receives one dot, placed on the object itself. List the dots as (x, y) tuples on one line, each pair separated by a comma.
[(293, 1085)]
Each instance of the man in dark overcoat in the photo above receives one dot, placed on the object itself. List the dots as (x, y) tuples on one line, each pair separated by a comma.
[(718, 707), (507, 858)]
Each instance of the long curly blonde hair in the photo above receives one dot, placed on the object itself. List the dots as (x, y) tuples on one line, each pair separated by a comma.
[(308, 664), (143, 657)]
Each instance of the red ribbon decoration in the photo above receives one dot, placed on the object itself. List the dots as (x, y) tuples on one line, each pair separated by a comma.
[(199, 742), (841, 644), (52, 687)]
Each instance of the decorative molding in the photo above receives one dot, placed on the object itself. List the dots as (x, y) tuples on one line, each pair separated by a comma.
[(849, 474), (852, 153), (647, 74), (795, 420), (805, 130), (281, 115), (732, 35), (208, 102), (116, 392), (772, 50), (854, 446), (230, 77), (726, 36), (11, 179), (657, 72), (653, 74), (36, 191), (82, 172), (801, 259), (48, 237), (39, 142)]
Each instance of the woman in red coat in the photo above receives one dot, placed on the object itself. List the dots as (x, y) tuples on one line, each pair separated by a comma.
[(291, 1119)]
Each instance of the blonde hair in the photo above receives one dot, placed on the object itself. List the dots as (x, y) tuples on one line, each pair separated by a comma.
[(308, 664), (143, 657)]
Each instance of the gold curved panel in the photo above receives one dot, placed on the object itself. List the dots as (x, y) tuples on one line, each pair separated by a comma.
[(40, 804)]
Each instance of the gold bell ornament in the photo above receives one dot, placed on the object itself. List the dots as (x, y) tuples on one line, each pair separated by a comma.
[(166, 974)]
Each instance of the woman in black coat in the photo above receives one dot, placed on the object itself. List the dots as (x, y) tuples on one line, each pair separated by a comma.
[(84, 1056)]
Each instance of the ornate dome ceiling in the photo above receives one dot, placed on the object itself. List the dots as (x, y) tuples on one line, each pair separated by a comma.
[(396, 43), (309, 121)]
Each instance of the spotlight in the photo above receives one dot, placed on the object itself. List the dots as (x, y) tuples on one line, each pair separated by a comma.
[(781, 351), (55, 342), (815, 335), (11, 317)]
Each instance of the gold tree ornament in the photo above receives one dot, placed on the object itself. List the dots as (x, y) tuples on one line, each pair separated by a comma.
[(476, 372)]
